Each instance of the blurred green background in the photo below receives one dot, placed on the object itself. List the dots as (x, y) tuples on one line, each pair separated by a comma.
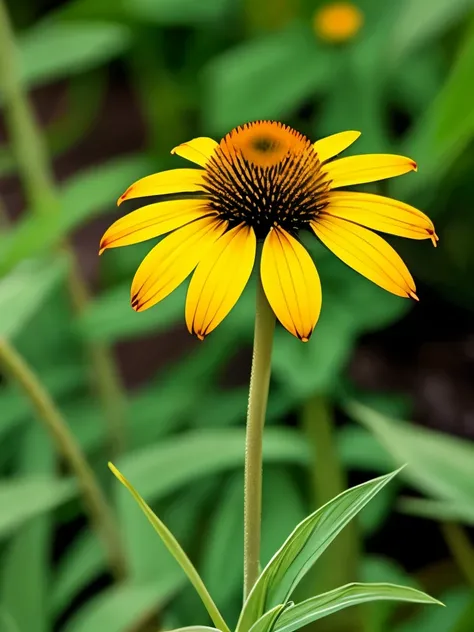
[(115, 85)]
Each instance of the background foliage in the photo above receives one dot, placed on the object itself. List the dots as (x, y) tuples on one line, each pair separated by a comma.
[(115, 86)]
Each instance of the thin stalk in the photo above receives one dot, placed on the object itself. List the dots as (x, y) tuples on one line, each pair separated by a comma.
[(101, 516), (35, 172), (257, 406), (339, 562), (461, 549)]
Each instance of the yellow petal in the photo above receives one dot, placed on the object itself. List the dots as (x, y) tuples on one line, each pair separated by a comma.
[(172, 260), (198, 150), (152, 221), (332, 145), (165, 182), (291, 283), (381, 213), (367, 168), (367, 253), (219, 280)]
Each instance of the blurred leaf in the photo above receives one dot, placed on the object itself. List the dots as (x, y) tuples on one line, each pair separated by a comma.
[(160, 469), (374, 515), (299, 615), (303, 547), (82, 563), (360, 450), (176, 551), (437, 510), (277, 524), (25, 563), (438, 464), (84, 196), (178, 12), (219, 559), (438, 619), (415, 26), (122, 608), (23, 498), (53, 50), (148, 556), (110, 318), (447, 126), (23, 291), (264, 79), (375, 569)]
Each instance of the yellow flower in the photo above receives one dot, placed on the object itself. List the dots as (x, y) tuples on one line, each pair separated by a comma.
[(264, 182), (338, 22)]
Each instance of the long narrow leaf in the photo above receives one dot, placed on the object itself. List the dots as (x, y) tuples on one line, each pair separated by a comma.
[(177, 552), (303, 547), (299, 615)]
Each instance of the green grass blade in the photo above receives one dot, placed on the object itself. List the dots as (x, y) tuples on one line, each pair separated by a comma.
[(177, 552)]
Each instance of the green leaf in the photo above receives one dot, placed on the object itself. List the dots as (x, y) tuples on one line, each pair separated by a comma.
[(437, 510), (84, 196), (23, 291), (264, 78), (84, 561), (177, 552), (25, 568), (438, 464), (177, 12), (315, 608), (303, 547), (53, 50), (195, 628), (122, 608), (25, 497), (267, 622), (415, 27)]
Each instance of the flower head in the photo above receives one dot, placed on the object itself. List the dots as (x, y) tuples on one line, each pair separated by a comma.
[(264, 182), (338, 21)]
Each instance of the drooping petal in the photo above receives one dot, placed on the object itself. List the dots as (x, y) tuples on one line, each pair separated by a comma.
[(220, 279), (172, 181), (291, 283), (152, 221), (172, 260), (367, 253), (367, 168), (380, 213), (198, 150), (332, 145)]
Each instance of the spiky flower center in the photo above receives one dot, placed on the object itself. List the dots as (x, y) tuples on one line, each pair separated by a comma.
[(266, 174)]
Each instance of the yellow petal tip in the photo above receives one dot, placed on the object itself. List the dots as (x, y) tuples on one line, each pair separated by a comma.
[(304, 338), (124, 195), (413, 296), (199, 336), (414, 165), (434, 238)]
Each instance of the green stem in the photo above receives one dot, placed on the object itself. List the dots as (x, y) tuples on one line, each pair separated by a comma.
[(35, 172), (329, 480), (257, 406), (96, 505), (461, 549)]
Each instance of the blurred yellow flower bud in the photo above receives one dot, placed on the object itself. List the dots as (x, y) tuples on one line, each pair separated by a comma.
[(338, 21)]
